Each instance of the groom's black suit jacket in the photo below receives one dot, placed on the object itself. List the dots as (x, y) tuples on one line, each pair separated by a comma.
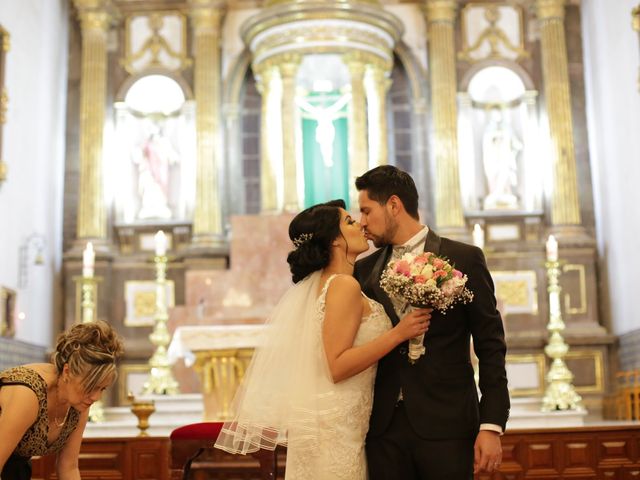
[(439, 390)]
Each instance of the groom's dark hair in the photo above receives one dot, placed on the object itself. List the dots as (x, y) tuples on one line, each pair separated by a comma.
[(312, 231), (382, 182)]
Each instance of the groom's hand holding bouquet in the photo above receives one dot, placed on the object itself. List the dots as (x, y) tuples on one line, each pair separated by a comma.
[(424, 280)]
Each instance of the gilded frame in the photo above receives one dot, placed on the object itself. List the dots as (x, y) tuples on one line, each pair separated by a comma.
[(539, 361), (7, 312), (127, 371), (140, 298)]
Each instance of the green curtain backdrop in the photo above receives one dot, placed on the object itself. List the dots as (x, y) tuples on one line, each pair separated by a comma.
[(325, 178)]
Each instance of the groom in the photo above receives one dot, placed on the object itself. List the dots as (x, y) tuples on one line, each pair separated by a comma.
[(427, 422)]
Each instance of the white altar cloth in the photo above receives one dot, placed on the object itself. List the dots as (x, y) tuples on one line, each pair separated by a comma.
[(189, 339)]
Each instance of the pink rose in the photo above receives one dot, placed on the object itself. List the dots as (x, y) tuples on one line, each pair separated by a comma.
[(421, 260), (439, 273), (457, 273), (438, 263), (403, 268), (419, 279)]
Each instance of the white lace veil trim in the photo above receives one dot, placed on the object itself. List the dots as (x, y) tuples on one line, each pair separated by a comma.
[(287, 395)]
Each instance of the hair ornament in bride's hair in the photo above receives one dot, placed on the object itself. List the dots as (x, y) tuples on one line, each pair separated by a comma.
[(302, 239)]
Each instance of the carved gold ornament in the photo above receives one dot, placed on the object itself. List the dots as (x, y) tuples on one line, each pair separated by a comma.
[(501, 43), (157, 40)]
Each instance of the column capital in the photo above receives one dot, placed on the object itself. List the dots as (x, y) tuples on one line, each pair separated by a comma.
[(441, 11), (206, 15), (550, 9), (95, 15), (378, 66), (357, 58), (288, 64), (263, 74)]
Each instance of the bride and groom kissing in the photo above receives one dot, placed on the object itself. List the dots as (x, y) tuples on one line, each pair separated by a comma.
[(332, 380)]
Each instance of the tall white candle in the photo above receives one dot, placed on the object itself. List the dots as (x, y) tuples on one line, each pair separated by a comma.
[(478, 236), (161, 243), (88, 260), (552, 249)]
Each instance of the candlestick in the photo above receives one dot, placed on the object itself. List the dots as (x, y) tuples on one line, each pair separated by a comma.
[(88, 260), (478, 236), (560, 393), (552, 249), (161, 381), (161, 243)]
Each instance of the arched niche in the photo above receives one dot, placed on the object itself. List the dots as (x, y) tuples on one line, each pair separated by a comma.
[(152, 167), (406, 112), (499, 147)]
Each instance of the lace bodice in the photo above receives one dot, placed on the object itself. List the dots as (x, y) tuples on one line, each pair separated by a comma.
[(341, 451)]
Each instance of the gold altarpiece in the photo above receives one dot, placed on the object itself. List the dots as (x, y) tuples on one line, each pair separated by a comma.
[(215, 53)]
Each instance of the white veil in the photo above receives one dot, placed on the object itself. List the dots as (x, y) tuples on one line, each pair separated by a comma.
[(286, 396)]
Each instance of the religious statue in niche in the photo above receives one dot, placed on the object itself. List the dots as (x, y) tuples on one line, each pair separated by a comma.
[(154, 157), (500, 150)]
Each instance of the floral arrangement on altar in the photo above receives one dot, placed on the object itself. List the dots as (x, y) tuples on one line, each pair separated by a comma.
[(425, 280)]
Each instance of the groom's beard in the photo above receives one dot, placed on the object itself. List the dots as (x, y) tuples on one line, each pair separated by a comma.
[(385, 238)]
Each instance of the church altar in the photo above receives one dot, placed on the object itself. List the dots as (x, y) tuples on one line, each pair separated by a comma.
[(220, 355)]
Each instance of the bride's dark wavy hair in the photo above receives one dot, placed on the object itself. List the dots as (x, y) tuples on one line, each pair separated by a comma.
[(312, 231)]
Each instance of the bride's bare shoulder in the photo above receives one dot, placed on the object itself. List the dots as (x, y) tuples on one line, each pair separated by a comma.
[(345, 283)]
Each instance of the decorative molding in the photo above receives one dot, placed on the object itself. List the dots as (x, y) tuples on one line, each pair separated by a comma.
[(140, 301), (582, 286), (164, 46), (504, 39), (517, 290), (533, 385)]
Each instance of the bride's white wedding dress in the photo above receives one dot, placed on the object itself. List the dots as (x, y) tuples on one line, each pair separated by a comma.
[(340, 450), (288, 397)]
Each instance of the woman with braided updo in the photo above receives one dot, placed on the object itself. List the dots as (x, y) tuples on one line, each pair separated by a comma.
[(310, 384), (44, 407)]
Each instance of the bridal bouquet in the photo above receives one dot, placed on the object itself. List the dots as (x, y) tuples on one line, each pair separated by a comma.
[(424, 280)]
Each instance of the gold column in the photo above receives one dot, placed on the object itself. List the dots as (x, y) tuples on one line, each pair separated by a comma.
[(565, 206), (358, 145), (441, 15), (207, 222), (94, 22), (4, 101), (379, 86), (268, 179), (288, 66)]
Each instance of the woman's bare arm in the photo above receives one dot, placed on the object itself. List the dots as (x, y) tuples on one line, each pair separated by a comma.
[(343, 314), (67, 464), (19, 411)]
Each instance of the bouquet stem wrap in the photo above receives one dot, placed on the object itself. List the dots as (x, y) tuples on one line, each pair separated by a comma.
[(416, 348)]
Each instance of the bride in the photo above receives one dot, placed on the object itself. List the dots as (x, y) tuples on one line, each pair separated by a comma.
[(309, 386)]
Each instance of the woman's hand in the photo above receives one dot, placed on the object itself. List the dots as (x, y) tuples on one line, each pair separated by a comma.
[(413, 324)]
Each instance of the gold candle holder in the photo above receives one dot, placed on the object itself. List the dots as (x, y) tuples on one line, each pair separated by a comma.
[(86, 311), (560, 393), (142, 409), (161, 381)]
